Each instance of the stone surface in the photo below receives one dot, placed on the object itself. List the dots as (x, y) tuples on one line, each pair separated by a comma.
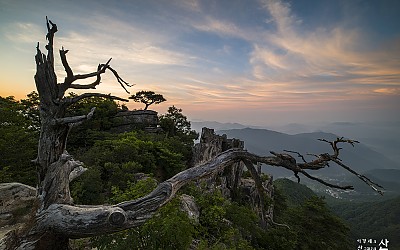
[(126, 121), (230, 181), (189, 206), (16, 200), (211, 145)]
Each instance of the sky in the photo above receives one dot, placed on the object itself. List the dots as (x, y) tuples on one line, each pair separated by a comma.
[(256, 62)]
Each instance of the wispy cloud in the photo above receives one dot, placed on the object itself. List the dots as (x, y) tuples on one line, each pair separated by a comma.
[(289, 61), (388, 91), (23, 32), (214, 57), (292, 53)]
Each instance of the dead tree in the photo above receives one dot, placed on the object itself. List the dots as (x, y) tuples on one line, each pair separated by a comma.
[(56, 219)]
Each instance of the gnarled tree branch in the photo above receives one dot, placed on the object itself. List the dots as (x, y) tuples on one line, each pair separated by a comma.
[(72, 100), (70, 78), (68, 219), (74, 120), (365, 179), (323, 160), (51, 30)]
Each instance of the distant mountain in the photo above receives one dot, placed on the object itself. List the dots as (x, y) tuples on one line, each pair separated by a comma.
[(392, 175), (261, 141), (383, 137), (198, 125), (388, 178), (294, 128)]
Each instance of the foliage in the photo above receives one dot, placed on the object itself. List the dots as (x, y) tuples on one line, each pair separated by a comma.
[(88, 188), (376, 220), (175, 123), (317, 227), (18, 140), (223, 224), (119, 157), (312, 224), (117, 160), (170, 228), (178, 129), (296, 193), (134, 190), (31, 110), (147, 97), (84, 136), (248, 224)]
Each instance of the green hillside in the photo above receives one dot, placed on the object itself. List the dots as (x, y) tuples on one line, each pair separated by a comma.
[(296, 194), (373, 220), (312, 224), (376, 220)]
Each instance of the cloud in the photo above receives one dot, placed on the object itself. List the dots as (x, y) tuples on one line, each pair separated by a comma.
[(280, 14), (191, 5), (218, 26), (388, 91), (138, 45), (215, 59), (302, 57), (224, 28), (290, 61), (23, 32)]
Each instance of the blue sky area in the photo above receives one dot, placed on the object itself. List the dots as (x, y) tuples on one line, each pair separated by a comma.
[(256, 62)]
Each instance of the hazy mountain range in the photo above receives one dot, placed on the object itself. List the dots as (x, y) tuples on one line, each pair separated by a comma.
[(369, 158), (383, 137), (260, 141)]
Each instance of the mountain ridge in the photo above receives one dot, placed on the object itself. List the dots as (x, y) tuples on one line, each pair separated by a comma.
[(383, 137), (260, 141)]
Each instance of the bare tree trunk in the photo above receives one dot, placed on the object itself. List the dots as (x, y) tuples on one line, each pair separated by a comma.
[(55, 165), (55, 219)]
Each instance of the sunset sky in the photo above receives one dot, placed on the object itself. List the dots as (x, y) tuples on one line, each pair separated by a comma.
[(254, 62)]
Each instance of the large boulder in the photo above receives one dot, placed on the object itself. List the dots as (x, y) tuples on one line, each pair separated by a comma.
[(126, 121), (16, 201)]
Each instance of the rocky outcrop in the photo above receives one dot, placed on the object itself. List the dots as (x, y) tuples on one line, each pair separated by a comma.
[(231, 181), (16, 201), (129, 120), (211, 145), (188, 205), (248, 194)]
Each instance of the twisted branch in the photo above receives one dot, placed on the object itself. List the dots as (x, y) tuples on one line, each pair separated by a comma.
[(71, 77), (323, 160), (72, 100)]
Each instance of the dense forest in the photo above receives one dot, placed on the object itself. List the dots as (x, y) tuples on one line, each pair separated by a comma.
[(123, 166), (372, 220)]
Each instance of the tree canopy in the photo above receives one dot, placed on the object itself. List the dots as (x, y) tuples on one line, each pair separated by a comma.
[(147, 97), (18, 139)]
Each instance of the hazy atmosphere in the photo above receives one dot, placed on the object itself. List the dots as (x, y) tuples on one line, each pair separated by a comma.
[(253, 62)]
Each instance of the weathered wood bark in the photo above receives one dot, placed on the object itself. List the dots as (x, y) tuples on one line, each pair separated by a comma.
[(56, 220), (55, 166)]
